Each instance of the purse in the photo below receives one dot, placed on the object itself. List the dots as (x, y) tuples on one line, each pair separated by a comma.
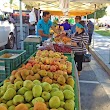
[(87, 57)]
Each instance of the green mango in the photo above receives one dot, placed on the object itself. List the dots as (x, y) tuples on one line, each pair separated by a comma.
[(18, 99), (22, 90), (9, 94), (37, 91), (28, 96), (28, 105), (32, 108), (12, 107), (9, 103)]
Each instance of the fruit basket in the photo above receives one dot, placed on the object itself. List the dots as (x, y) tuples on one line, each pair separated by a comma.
[(10, 60), (73, 74)]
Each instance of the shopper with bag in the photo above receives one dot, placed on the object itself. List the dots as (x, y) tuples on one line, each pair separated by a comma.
[(44, 25), (79, 40)]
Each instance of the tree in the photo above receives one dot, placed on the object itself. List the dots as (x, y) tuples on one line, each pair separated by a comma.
[(11, 1), (99, 13)]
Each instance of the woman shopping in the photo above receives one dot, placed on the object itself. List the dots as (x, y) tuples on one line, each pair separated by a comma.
[(78, 44)]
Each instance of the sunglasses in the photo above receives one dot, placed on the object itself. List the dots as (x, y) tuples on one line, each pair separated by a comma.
[(77, 18)]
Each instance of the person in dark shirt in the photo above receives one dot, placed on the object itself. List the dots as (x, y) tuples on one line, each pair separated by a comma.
[(66, 25), (90, 26)]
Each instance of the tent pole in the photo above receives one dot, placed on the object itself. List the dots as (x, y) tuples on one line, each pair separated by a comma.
[(38, 11), (94, 23), (21, 24), (109, 54), (86, 19)]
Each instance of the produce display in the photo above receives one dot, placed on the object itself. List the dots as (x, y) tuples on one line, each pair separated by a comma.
[(62, 39), (56, 47), (62, 48), (43, 83)]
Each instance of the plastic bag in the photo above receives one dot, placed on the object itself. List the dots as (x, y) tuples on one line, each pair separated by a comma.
[(47, 45), (32, 17)]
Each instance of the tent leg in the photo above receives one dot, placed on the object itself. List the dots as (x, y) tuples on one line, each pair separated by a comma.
[(21, 24), (38, 11), (94, 26), (38, 14), (94, 21), (86, 19), (109, 54)]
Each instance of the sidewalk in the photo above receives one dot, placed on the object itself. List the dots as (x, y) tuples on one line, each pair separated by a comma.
[(101, 51), (94, 87)]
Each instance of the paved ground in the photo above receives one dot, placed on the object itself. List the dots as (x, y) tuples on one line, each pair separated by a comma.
[(101, 50), (94, 87)]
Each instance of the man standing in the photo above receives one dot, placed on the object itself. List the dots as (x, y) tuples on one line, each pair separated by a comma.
[(66, 25), (44, 25), (90, 26), (77, 20)]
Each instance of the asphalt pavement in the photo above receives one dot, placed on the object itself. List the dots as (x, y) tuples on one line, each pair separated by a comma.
[(94, 87)]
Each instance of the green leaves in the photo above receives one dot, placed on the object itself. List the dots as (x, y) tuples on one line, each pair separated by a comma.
[(11, 1), (99, 13)]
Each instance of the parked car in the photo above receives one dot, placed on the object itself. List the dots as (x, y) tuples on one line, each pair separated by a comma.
[(6, 31)]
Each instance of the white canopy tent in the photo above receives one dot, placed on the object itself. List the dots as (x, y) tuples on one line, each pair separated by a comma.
[(104, 20), (76, 7)]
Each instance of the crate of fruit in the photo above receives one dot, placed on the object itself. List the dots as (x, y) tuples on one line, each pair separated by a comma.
[(10, 60), (46, 77)]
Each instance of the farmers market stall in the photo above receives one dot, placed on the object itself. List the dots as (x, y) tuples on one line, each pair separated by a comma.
[(45, 65), (48, 79), (45, 77)]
